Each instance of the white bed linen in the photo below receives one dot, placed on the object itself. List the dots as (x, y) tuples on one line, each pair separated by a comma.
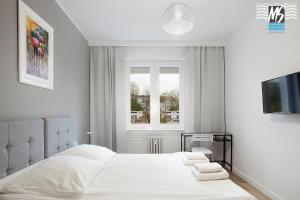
[(208, 167), (154, 177), (159, 177), (60, 176), (223, 174), (193, 162), (93, 152)]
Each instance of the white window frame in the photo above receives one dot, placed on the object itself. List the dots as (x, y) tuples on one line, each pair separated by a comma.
[(154, 66)]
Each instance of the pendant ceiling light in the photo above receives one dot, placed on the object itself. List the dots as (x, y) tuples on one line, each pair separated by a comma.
[(178, 19)]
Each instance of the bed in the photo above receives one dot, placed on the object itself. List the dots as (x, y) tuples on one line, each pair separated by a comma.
[(105, 174)]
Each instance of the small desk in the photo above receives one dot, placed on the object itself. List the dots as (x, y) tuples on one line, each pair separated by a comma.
[(218, 137)]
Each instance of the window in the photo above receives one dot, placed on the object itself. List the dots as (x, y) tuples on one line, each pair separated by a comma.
[(154, 96), (169, 95), (140, 95)]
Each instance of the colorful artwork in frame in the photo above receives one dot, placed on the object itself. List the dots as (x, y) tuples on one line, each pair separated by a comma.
[(35, 49)]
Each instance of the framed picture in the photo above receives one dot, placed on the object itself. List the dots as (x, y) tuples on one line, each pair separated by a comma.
[(35, 49)]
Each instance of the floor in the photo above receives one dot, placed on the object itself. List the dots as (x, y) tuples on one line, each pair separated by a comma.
[(246, 186)]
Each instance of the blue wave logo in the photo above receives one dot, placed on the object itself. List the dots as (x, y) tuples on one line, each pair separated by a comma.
[(276, 18), (276, 14), (276, 27)]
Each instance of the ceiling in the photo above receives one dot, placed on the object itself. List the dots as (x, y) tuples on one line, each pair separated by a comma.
[(117, 21)]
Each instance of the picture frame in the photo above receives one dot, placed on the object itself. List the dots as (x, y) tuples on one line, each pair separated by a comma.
[(35, 43)]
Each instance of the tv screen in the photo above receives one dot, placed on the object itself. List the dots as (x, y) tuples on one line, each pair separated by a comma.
[(282, 95)]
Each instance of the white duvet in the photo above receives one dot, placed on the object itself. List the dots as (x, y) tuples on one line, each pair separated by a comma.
[(150, 177)]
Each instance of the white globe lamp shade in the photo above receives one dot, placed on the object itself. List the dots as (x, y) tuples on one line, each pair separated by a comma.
[(178, 19)]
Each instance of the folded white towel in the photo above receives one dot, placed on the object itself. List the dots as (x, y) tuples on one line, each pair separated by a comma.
[(208, 167), (195, 155), (193, 162), (210, 176)]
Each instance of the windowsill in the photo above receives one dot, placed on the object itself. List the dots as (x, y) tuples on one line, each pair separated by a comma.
[(156, 128), (141, 129), (137, 133)]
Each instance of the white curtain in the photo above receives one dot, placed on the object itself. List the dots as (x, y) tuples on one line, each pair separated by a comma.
[(102, 96), (120, 95), (107, 112), (204, 89)]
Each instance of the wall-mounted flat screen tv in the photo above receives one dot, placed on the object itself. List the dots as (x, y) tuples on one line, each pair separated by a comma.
[(282, 95)]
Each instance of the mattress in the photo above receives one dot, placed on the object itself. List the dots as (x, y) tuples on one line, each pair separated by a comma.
[(149, 177)]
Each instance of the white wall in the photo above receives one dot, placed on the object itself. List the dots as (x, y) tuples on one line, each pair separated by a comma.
[(150, 53), (266, 147)]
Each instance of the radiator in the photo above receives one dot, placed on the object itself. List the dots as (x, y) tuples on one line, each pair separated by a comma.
[(154, 144)]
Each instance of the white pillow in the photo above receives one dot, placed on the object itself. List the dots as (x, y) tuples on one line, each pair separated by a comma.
[(59, 176), (90, 151)]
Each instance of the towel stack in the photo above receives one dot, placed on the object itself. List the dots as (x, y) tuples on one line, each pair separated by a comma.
[(209, 171), (192, 158)]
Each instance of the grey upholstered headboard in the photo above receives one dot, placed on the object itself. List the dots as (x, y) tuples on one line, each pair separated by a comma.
[(21, 144), (59, 135)]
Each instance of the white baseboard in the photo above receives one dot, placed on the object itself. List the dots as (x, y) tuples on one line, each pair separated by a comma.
[(257, 185)]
